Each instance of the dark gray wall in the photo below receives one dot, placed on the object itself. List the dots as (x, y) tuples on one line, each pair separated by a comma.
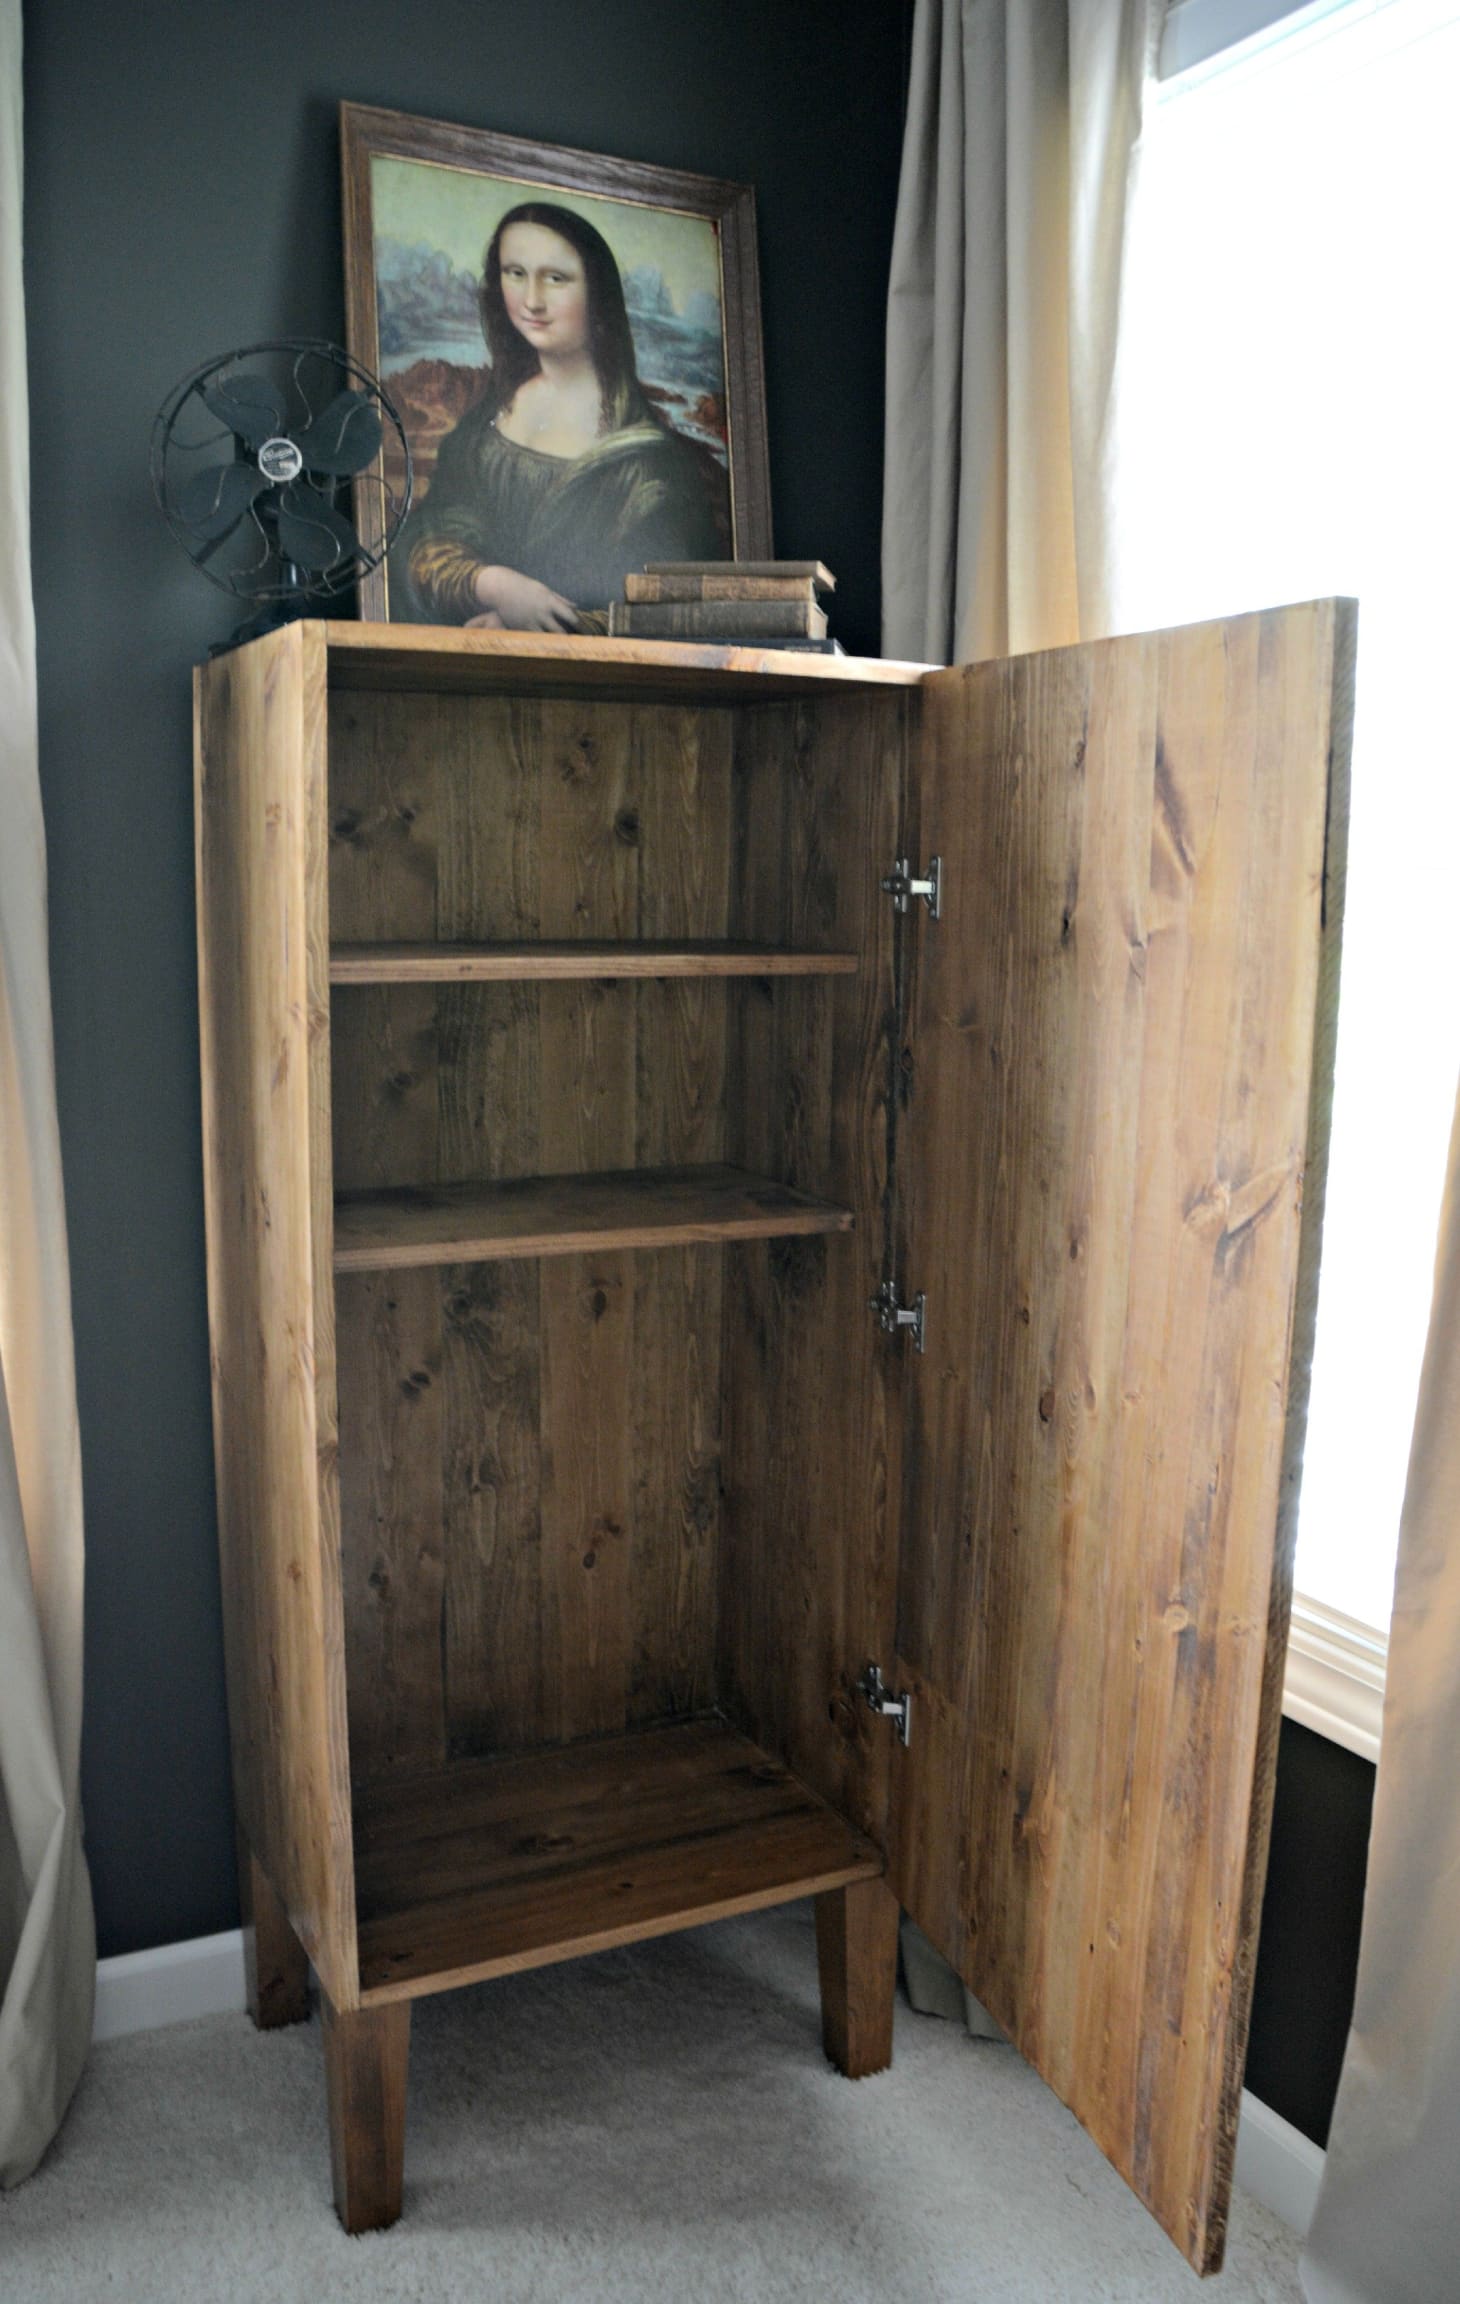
[(1308, 1952), (181, 197)]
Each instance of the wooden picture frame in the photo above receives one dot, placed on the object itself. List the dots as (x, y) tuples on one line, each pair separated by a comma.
[(424, 206)]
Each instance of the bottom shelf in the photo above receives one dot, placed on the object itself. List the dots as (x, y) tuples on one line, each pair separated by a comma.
[(495, 1865)]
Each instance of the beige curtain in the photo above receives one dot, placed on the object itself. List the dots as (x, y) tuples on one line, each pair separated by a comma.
[(47, 1947), (1022, 134), (1387, 2226)]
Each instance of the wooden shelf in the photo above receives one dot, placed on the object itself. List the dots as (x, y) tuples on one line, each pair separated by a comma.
[(488, 1866), (568, 1215), (549, 963)]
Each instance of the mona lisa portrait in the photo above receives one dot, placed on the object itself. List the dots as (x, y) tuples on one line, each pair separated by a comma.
[(573, 346)]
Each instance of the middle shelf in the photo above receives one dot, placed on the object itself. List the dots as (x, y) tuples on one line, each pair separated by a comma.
[(571, 1215), (573, 962)]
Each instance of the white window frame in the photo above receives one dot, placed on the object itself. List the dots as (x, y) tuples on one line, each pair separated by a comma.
[(1335, 1673), (1197, 30)]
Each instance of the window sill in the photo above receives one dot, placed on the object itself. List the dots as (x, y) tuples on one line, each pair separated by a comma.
[(1334, 1681)]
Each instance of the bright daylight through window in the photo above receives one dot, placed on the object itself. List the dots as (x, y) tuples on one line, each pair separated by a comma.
[(1290, 427)]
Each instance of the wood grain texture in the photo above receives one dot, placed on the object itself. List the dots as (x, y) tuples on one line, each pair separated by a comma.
[(263, 1001), (547, 963), (500, 1671), (1339, 672), (1101, 1182), (812, 1396), (393, 1407), (578, 1404), (404, 657), (856, 1959), (501, 1865), (275, 1963), (366, 2054), (588, 1379), (566, 1215)]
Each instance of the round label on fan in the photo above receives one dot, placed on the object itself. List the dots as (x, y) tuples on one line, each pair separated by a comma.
[(280, 460)]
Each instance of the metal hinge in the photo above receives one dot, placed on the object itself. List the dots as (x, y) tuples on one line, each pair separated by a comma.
[(893, 1317), (887, 1706), (900, 885)]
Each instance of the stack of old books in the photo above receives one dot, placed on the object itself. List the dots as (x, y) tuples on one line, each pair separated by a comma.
[(729, 603)]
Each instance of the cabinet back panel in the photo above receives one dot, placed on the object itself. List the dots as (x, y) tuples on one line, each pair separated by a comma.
[(529, 1470), (460, 817), (529, 1453), (531, 1456), (811, 1475), (452, 1083)]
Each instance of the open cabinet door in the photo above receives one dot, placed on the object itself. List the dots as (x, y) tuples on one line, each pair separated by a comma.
[(1118, 1060)]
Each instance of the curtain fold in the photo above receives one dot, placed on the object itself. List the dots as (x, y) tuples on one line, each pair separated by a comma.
[(47, 1945), (1387, 2225), (1022, 136)]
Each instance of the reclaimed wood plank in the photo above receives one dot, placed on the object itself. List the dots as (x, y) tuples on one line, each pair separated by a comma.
[(392, 1404), (263, 1008), (275, 1963), (571, 1215), (1104, 1177), (547, 963), (506, 1865)]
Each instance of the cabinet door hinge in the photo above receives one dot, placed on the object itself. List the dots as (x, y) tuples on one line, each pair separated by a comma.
[(893, 1317), (900, 885), (881, 1700)]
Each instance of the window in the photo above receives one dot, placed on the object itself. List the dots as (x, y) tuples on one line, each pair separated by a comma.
[(1289, 426)]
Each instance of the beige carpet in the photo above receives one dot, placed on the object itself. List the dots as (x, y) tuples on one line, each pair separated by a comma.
[(656, 2124)]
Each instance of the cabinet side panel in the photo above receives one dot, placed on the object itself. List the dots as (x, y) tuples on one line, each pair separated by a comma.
[(1103, 1166), (263, 1009), (811, 1387)]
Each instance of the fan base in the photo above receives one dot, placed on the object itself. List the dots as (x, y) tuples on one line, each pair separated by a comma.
[(272, 618)]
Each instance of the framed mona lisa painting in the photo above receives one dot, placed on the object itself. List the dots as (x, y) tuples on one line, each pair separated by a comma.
[(573, 344)]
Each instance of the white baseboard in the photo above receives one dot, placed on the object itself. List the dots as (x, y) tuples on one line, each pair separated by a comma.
[(1278, 2164), (139, 1990)]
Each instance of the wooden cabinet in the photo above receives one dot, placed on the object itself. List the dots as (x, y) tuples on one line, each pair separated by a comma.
[(581, 1108)]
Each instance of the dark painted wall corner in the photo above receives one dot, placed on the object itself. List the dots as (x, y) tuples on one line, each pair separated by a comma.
[(182, 196), (1308, 1948)]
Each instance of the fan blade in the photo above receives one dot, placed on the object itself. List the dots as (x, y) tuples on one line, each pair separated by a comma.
[(343, 437), (311, 531), (249, 406), (212, 503)]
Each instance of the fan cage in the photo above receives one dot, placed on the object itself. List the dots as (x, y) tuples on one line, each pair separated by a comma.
[(378, 509)]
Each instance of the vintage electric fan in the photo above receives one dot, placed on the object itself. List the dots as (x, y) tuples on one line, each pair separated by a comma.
[(267, 465)]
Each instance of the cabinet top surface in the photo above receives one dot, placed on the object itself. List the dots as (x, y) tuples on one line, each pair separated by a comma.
[(442, 657)]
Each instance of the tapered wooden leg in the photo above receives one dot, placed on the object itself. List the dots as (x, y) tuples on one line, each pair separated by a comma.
[(856, 1953), (365, 2057), (275, 1963)]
